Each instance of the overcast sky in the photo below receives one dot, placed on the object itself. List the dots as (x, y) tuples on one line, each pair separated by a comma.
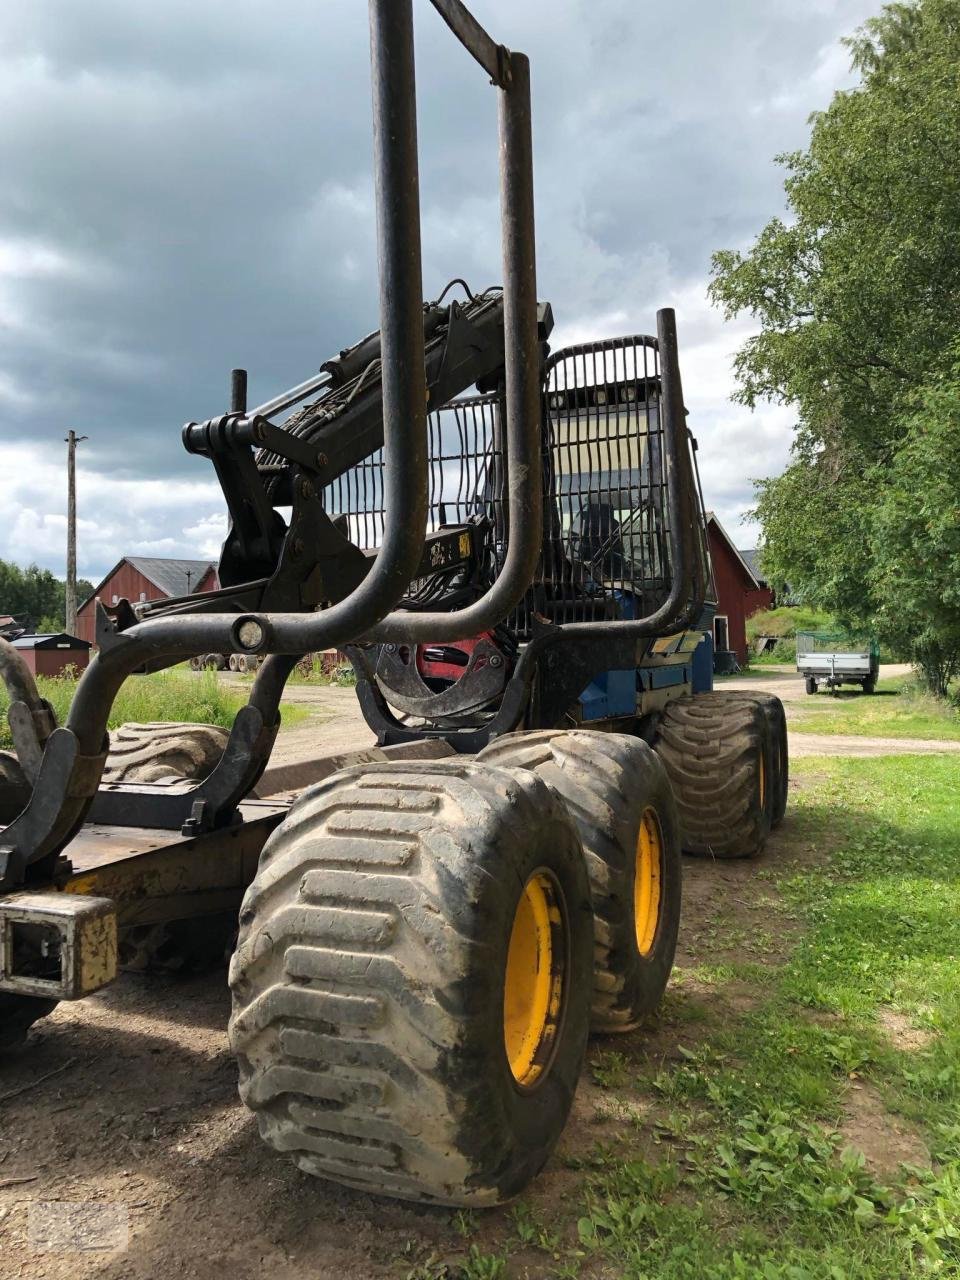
[(186, 187)]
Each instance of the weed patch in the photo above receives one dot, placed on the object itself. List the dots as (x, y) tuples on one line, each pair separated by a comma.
[(191, 697)]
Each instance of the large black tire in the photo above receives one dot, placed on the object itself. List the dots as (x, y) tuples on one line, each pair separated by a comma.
[(618, 793), (716, 749), (810, 684), (779, 775), (371, 980), (164, 752), (17, 1016), (870, 684)]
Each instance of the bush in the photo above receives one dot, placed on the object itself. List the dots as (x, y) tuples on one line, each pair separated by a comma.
[(786, 622)]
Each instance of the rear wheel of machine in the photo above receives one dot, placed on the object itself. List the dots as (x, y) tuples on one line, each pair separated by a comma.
[(170, 753), (17, 1016), (870, 684), (178, 947), (411, 987), (14, 787), (810, 684), (618, 794), (779, 774), (164, 752), (717, 753)]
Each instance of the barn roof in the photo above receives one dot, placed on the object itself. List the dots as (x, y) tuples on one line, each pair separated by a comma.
[(50, 640), (752, 558), (749, 569), (168, 576)]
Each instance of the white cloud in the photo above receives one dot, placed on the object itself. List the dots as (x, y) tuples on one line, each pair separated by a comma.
[(116, 516), (187, 188)]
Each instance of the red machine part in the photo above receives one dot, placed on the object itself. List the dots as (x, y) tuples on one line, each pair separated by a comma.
[(449, 661)]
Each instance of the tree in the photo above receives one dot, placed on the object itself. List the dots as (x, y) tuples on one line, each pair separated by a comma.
[(857, 295), (36, 594), (916, 537)]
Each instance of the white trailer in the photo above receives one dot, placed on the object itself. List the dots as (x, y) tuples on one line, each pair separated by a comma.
[(830, 659)]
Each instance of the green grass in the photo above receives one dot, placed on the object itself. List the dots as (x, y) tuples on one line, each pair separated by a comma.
[(719, 1148), (757, 1182), (178, 695), (899, 709)]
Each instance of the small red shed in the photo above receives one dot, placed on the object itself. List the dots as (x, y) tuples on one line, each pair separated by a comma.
[(740, 590), (50, 655)]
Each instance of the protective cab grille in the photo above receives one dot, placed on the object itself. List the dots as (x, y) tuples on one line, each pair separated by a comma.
[(606, 517)]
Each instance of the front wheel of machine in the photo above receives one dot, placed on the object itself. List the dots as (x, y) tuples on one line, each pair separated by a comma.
[(411, 987), (618, 794), (717, 751)]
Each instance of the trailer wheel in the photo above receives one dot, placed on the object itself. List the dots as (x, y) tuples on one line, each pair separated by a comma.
[(164, 752), (717, 753), (810, 684), (17, 1016), (619, 796), (411, 986), (870, 684)]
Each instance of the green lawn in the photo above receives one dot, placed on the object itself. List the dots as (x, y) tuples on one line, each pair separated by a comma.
[(816, 1013), (180, 694), (897, 710)]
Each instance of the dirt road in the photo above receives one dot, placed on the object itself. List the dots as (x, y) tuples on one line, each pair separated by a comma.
[(125, 1108), (788, 685), (338, 725)]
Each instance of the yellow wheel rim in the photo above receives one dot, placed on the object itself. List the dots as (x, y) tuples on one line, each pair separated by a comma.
[(533, 982), (763, 783), (648, 881)]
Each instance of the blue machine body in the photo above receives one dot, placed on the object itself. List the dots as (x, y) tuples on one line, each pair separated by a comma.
[(682, 663)]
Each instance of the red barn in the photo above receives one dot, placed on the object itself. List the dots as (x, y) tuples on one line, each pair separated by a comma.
[(139, 578), (740, 590)]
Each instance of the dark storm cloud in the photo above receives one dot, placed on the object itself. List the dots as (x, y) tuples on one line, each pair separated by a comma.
[(186, 186)]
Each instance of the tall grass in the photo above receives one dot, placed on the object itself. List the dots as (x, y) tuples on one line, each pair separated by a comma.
[(193, 697)]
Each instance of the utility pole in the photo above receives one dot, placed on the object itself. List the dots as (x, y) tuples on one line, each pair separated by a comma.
[(72, 440)]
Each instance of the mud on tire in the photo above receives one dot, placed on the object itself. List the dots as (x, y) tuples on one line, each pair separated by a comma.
[(617, 791), (377, 944), (717, 753)]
